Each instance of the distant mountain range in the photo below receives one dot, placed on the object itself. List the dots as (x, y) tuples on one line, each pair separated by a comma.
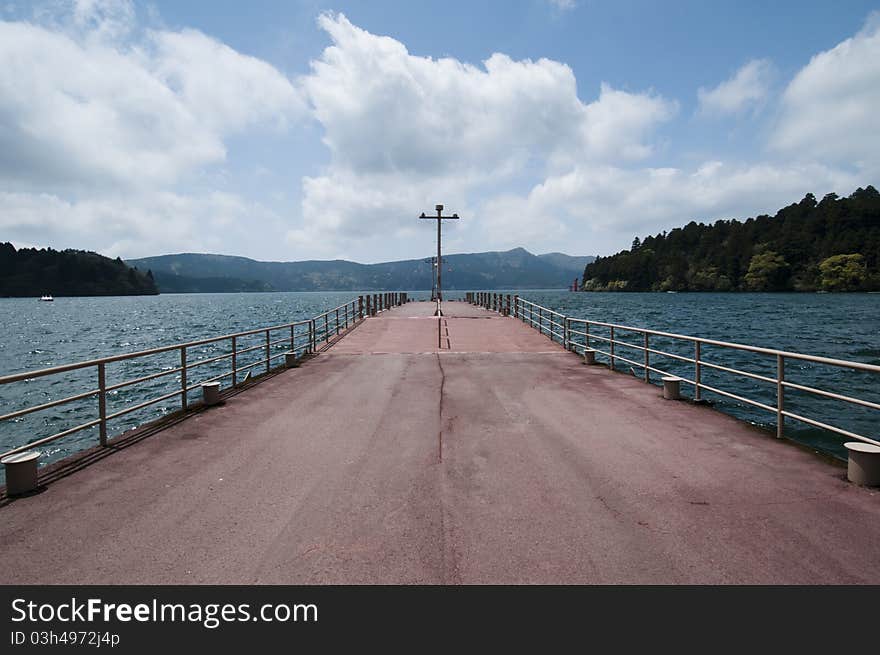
[(512, 269)]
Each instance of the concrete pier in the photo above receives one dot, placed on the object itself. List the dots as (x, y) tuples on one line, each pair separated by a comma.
[(494, 458)]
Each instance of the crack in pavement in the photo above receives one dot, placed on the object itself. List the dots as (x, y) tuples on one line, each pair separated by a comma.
[(440, 410)]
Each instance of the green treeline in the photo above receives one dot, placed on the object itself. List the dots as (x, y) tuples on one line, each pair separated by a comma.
[(831, 245), (32, 273)]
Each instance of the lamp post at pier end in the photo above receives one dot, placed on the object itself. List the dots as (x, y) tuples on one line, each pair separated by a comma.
[(439, 218)]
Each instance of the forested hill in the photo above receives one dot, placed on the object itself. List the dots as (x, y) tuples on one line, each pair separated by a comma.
[(512, 269), (831, 245), (29, 272)]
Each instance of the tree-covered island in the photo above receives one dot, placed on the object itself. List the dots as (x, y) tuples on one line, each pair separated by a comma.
[(29, 272), (830, 245)]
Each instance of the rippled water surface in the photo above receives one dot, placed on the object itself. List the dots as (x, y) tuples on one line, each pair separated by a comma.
[(38, 335)]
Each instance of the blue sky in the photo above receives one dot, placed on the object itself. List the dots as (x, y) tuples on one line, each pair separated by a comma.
[(318, 130)]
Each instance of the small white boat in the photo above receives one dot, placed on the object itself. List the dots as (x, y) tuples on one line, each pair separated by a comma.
[(47, 298)]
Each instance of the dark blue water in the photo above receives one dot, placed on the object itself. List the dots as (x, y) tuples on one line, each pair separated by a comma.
[(38, 335)]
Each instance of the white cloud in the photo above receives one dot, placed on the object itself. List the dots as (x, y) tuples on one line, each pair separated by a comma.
[(104, 19), (139, 224), (223, 89), (384, 109), (401, 128), (830, 108), (747, 89), (91, 112), (105, 130), (112, 137), (563, 5), (608, 205)]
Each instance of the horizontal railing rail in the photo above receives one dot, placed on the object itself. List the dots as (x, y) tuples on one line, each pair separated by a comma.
[(274, 342), (580, 335)]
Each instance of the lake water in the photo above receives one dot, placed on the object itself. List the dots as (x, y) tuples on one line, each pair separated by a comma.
[(38, 335)]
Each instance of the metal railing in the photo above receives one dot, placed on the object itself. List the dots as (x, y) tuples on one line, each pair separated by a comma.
[(299, 337), (578, 335)]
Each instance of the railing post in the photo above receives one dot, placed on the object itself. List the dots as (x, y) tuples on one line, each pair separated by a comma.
[(516, 306), (565, 335), (183, 377), (267, 351), (337, 320), (326, 328), (587, 334), (360, 307), (697, 371), (611, 361), (313, 335), (102, 404), (234, 362), (292, 341), (540, 319), (780, 396), (647, 360)]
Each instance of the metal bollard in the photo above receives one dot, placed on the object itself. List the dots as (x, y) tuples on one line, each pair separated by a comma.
[(671, 388), (21, 472), (863, 465), (291, 360), (211, 393), (589, 356)]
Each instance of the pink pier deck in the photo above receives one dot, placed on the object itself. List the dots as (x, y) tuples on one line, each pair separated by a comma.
[(500, 459)]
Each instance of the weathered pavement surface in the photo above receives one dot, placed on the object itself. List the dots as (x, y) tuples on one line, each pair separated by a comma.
[(501, 459)]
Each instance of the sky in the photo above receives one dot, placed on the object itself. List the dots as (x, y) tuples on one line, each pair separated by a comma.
[(302, 129)]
